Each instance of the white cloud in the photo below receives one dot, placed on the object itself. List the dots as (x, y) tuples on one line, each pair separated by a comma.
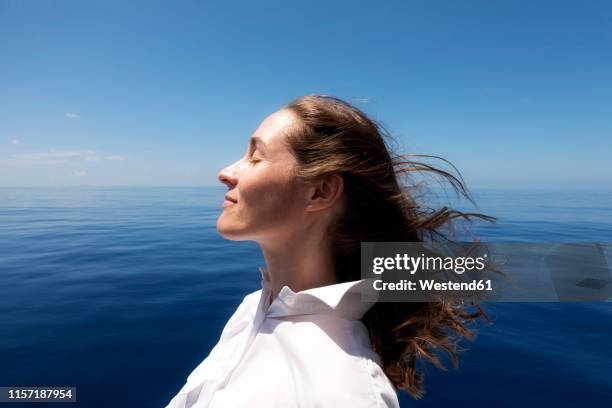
[(72, 115), (88, 155), (116, 157), (58, 157), (80, 173), (15, 142)]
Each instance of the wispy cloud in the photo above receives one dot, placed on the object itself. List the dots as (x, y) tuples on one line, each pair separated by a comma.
[(58, 157), (72, 115), (87, 155), (116, 157), (80, 173), (15, 142)]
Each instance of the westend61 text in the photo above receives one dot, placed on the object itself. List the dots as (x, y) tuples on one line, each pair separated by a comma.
[(429, 285), (413, 264)]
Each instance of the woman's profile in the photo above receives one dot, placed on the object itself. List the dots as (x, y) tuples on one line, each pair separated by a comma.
[(317, 179)]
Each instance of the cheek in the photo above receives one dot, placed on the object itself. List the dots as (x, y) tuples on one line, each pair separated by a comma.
[(271, 197)]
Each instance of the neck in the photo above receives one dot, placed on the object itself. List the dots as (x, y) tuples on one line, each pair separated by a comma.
[(300, 264)]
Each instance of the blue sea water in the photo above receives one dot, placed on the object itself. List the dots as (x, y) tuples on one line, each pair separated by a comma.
[(121, 292)]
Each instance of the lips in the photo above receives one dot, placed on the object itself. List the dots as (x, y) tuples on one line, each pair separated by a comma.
[(228, 198)]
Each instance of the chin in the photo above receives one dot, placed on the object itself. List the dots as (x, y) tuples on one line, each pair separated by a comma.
[(229, 232)]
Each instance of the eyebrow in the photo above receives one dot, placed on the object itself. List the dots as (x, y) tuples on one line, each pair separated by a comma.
[(257, 142)]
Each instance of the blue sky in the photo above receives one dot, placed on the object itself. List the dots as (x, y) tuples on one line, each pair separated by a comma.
[(514, 93)]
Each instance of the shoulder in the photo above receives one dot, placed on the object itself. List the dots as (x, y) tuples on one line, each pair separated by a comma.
[(252, 297), (366, 370), (240, 321), (334, 363), (383, 392), (243, 315), (249, 303), (359, 382)]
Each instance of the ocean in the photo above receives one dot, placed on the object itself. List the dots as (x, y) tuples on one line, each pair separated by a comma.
[(121, 292)]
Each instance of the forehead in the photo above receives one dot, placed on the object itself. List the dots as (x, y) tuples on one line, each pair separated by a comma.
[(271, 130)]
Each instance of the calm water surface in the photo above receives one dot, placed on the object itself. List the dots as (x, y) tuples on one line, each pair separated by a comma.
[(121, 292)]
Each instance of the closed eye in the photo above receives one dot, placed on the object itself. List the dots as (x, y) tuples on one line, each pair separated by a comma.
[(253, 158), (254, 149)]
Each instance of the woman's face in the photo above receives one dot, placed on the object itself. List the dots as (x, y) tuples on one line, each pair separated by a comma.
[(264, 200)]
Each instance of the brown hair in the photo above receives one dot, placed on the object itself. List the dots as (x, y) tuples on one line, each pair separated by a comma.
[(334, 137)]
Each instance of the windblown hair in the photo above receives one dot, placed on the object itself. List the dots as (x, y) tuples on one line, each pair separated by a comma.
[(334, 137)]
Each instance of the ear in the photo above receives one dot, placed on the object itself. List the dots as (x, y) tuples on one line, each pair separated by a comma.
[(325, 193)]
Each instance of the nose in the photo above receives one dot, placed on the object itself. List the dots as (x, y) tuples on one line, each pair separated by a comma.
[(229, 175)]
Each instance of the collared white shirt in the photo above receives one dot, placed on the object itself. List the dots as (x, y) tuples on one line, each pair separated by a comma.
[(304, 349)]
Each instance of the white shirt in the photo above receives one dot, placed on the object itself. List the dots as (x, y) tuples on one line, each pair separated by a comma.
[(304, 349)]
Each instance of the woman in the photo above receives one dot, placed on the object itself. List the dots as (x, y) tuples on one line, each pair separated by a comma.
[(318, 179)]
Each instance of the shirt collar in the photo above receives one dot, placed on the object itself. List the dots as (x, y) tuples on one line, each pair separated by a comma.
[(341, 299)]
